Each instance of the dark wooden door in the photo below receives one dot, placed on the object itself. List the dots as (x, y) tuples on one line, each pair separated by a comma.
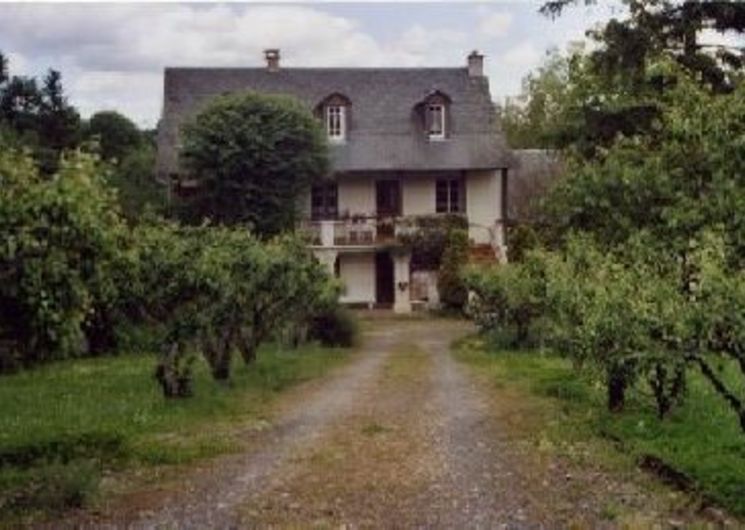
[(388, 198), (384, 289)]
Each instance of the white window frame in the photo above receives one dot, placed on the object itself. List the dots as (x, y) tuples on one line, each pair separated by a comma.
[(430, 111), (338, 132)]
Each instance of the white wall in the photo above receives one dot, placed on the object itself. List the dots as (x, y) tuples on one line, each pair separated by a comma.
[(418, 194), (483, 203), (357, 271), (356, 194)]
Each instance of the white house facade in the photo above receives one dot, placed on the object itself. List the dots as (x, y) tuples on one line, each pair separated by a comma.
[(406, 143)]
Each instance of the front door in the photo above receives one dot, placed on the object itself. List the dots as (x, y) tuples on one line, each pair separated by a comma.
[(384, 289)]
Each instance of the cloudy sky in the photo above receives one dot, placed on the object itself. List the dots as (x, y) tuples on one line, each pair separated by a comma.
[(112, 55)]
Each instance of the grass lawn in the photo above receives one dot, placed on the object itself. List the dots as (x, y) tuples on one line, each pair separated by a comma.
[(701, 439), (64, 425)]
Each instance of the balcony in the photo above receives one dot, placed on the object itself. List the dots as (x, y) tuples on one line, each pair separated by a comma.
[(356, 231)]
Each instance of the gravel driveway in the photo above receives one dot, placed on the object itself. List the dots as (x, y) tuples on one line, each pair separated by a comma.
[(401, 437)]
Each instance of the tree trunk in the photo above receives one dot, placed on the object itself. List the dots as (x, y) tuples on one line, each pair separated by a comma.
[(617, 384), (248, 343)]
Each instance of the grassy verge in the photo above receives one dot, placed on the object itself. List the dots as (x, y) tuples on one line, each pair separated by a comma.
[(701, 439), (64, 426)]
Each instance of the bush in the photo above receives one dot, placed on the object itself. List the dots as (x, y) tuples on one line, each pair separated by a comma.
[(508, 297), (334, 327), (63, 240), (452, 289)]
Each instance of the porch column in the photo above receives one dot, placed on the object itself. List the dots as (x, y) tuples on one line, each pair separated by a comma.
[(327, 258), (402, 282)]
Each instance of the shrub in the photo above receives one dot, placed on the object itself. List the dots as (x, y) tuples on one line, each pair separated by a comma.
[(62, 240), (334, 327), (452, 289), (509, 297)]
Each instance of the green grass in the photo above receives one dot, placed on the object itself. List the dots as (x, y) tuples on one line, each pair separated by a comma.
[(63, 425), (701, 439)]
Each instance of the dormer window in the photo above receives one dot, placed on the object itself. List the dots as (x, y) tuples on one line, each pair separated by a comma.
[(433, 111), (333, 111), (335, 122), (436, 121)]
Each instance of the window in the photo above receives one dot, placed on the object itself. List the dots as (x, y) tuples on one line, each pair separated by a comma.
[(436, 121), (335, 122), (450, 196), (324, 201)]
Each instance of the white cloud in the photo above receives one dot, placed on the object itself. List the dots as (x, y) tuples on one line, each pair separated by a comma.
[(112, 56), (524, 54), (494, 24)]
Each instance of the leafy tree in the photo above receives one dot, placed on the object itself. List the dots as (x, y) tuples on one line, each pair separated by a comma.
[(117, 135), (673, 182), (252, 155), (61, 240), (535, 118), (673, 28)]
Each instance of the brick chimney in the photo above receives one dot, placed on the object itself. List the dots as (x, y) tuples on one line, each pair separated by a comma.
[(475, 64), (272, 59)]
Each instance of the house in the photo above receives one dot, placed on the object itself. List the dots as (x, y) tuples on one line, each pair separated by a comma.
[(405, 142)]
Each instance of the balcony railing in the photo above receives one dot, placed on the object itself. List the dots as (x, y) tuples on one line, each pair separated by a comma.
[(356, 231)]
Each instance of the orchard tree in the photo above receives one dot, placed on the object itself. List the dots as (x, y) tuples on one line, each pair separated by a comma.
[(253, 155)]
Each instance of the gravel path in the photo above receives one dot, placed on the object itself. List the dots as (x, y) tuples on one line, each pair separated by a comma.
[(402, 437)]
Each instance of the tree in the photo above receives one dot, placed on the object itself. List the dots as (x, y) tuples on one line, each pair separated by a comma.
[(39, 117), (253, 155), (674, 28), (62, 241), (535, 118), (117, 135)]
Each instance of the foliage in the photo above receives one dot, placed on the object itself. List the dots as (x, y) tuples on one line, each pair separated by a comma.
[(253, 155), (427, 237), (334, 327), (673, 28), (38, 114), (116, 134), (510, 296), (134, 179), (216, 289), (535, 118), (452, 289), (63, 238), (684, 176)]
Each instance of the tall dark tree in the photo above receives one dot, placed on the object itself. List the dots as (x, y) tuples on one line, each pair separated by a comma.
[(252, 155), (38, 115), (655, 26), (116, 133)]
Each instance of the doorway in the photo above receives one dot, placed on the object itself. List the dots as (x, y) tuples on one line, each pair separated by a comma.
[(388, 198), (384, 288)]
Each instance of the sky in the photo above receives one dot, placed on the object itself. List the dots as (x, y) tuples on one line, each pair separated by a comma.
[(112, 55)]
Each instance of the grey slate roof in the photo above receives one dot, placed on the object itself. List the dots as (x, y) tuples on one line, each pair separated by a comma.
[(383, 130)]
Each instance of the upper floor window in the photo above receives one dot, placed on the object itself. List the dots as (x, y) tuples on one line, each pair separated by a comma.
[(336, 122), (324, 201), (436, 121), (450, 196)]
